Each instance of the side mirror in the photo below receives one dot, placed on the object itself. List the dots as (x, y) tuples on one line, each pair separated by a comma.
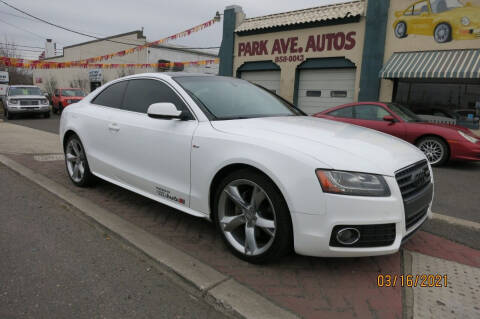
[(389, 118), (164, 111)]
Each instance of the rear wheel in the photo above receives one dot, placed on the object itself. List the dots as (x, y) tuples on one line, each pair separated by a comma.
[(252, 217), (401, 30), (435, 149), (77, 164)]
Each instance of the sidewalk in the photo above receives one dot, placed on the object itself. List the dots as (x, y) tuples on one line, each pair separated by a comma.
[(308, 287)]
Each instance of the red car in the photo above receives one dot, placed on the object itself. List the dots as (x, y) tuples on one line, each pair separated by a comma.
[(440, 143), (64, 97)]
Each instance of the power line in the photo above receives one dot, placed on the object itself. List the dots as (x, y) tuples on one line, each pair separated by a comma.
[(64, 28), (17, 27)]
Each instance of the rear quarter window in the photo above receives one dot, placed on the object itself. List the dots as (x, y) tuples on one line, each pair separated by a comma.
[(112, 96)]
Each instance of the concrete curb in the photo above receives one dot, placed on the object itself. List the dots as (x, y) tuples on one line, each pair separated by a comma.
[(456, 221), (215, 285)]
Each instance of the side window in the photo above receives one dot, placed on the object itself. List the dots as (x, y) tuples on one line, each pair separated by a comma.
[(112, 96), (419, 8), (409, 11), (56, 92), (140, 94), (370, 112), (346, 112)]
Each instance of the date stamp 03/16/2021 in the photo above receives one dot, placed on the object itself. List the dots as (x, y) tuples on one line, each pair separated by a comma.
[(418, 280)]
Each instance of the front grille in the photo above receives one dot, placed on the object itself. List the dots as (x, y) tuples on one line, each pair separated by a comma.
[(413, 179), (415, 218), (28, 102), (370, 235)]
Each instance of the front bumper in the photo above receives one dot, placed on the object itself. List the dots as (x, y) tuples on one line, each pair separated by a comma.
[(466, 151), (313, 232), (28, 109)]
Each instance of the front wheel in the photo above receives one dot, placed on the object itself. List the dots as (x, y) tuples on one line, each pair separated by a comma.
[(442, 33), (77, 164), (8, 115), (252, 217), (435, 149), (46, 115)]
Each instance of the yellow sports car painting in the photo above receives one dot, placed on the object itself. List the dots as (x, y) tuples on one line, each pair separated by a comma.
[(445, 20)]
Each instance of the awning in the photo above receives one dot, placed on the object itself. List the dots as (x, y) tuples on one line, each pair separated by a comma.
[(448, 64)]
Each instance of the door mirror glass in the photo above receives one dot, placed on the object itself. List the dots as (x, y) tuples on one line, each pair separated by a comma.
[(389, 118), (164, 111)]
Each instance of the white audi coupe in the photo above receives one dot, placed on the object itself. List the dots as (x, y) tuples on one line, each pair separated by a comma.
[(270, 177)]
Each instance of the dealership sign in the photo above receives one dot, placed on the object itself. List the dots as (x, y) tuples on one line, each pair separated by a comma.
[(95, 75), (3, 77), (335, 41)]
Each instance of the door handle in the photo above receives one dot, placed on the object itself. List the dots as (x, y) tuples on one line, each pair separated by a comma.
[(114, 127)]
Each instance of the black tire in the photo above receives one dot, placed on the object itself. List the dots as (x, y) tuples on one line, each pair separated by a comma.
[(8, 115), (442, 33), (401, 30), (428, 144), (283, 236), (46, 115), (88, 179)]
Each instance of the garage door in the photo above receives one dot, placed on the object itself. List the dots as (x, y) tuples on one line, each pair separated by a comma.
[(268, 79), (323, 88)]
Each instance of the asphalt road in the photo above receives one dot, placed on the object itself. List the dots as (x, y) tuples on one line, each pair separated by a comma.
[(56, 264), (456, 185)]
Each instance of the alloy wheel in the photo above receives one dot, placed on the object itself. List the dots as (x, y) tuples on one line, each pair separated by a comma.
[(75, 158), (442, 33), (400, 30), (433, 150), (247, 217)]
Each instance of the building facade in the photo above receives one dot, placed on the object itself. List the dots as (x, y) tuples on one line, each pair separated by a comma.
[(412, 52), (89, 79)]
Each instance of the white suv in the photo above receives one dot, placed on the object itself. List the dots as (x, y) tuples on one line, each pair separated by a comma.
[(21, 99), (270, 177)]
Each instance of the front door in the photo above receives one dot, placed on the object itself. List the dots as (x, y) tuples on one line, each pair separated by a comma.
[(154, 154)]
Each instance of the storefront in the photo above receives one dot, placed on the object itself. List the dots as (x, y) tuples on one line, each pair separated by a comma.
[(419, 53)]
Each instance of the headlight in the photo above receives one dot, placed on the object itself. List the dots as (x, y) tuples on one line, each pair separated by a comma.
[(12, 101), (44, 101), (350, 183), (69, 101), (465, 21), (468, 137)]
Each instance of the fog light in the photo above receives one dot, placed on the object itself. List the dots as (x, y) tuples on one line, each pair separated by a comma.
[(348, 236)]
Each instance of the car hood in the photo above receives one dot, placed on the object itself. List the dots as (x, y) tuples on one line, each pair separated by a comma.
[(29, 97), (336, 145), (72, 97)]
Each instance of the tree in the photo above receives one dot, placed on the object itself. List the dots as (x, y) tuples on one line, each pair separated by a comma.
[(16, 75), (51, 85)]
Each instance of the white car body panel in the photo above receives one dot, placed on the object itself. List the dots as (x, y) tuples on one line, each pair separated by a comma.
[(183, 157)]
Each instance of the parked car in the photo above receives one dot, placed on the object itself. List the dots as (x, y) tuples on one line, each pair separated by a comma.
[(270, 177), (439, 142), (25, 99), (64, 97), (461, 117), (445, 20)]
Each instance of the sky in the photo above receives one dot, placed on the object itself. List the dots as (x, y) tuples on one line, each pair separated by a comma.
[(159, 18)]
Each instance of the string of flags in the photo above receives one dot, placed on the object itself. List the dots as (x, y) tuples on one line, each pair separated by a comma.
[(93, 62), (39, 64)]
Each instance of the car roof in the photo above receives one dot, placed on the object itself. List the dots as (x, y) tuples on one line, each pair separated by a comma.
[(165, 75)]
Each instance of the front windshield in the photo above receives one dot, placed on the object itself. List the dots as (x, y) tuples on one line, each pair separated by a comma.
[(231, 98), (404, 113), (73, 93), (439, 6), (24, 91)]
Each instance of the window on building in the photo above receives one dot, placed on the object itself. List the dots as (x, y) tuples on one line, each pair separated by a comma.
[(338, 93), (142, 93), (370, 112), (314, 93), (346, 112), (112, 95)]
